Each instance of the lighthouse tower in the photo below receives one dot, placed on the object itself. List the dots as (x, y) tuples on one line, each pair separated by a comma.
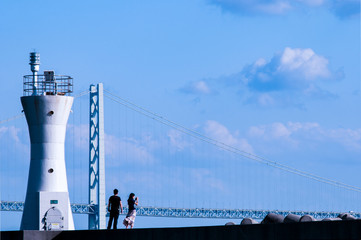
[(47, 106)]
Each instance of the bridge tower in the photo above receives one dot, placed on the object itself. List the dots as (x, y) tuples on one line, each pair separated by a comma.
[(96, 159), (47, 107)]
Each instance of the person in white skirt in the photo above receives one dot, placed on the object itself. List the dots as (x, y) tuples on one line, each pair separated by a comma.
[(130, 218)]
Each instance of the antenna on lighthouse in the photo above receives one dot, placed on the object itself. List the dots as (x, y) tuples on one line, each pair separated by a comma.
[(34, 66)]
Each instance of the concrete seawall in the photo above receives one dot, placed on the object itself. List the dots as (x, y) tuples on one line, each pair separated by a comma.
[(304, 230)]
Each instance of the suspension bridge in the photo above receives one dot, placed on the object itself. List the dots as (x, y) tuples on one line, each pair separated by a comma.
[(178, 171)]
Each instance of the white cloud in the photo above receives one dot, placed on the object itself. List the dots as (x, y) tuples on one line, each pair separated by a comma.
[(291, 134), (177, 140), (273, 131), (79, 134), (220, 133), (343, 9), (265, 99), (128, 150), (12, 136), (260, 62), (350, 138), (11, 131), (297, 126), (297, 133), (304, 62), (199, 87), (280, 130), (287, 78), (294, 68), (213, 130), (312, 3), (277, 7)]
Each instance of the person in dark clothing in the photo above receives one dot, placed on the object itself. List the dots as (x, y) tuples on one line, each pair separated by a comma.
[(113, 207), (130, 218)]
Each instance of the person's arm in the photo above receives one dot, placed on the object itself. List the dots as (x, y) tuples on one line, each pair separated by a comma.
[(121, 207), (109, 205), (136, 201)]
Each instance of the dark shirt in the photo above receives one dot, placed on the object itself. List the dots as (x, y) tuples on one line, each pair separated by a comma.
[(131, 203), (114, 203)]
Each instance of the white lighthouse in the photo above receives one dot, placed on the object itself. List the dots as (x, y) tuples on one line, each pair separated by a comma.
[(47, 107)]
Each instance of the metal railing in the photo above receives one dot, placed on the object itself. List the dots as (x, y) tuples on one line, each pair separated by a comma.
[(47, 85)]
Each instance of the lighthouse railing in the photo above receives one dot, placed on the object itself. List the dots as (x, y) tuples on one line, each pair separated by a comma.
[(45, 85)]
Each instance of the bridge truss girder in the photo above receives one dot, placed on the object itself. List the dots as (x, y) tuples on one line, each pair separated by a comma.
[(187, 212)]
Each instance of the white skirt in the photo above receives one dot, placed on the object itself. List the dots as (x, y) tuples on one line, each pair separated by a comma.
[(130, 218)]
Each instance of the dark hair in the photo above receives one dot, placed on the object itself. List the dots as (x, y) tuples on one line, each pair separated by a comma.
[(115, 191), (131, 195)]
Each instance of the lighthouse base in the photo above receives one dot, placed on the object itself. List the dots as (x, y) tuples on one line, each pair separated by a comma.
[(53, 210)]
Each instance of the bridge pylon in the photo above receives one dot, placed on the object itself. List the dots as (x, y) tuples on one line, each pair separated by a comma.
[(96, 158)]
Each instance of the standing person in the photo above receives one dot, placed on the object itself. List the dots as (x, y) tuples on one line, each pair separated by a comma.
[(130, 218), (113, 207)]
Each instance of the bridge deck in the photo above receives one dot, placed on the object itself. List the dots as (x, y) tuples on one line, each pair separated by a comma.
[(188, 212)]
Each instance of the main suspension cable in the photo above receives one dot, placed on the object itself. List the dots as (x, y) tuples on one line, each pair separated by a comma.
[(224, 146)]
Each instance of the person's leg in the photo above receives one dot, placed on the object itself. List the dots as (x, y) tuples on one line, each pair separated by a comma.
[(110, 221), (132, 218), (115, 221)]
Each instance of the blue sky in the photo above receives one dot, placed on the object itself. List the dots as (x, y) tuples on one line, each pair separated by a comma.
[(277, 78)]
